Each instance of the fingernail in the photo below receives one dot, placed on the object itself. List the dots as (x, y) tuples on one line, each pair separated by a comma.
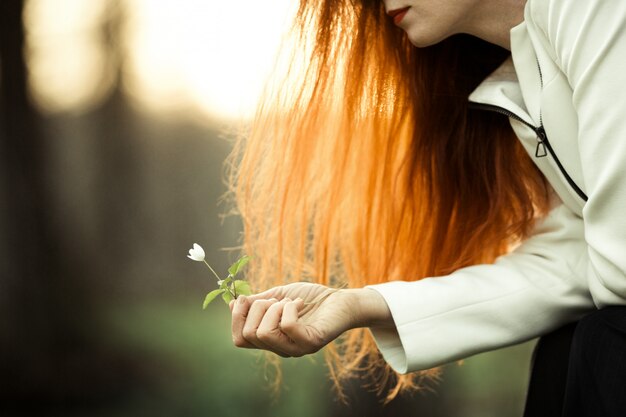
[(299, 299), (241, 299), (287, 299)]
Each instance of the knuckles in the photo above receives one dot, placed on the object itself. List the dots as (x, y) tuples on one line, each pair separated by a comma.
[(248, 334), (258, 303), (239, 341), (287, 326), (264, 335)]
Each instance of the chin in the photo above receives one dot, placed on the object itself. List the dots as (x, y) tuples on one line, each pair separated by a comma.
[(421, 39)]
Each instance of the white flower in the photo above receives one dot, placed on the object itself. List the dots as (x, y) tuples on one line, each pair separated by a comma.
[(219, 282), (196, 253)]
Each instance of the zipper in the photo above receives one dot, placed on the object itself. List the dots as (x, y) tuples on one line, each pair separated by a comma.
[(543, 144), (542, 139)]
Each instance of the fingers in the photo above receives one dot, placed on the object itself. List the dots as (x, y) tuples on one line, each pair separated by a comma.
[(281, 331), (258, 312), (270, 324), (246, 317), (239, 310), (240, 313), (269, 333), (303, 341)]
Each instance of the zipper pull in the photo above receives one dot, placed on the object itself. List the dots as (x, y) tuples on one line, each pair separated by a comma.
[(540, 152)]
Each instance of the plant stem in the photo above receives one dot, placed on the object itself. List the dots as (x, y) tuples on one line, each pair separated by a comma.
[(214, 273), (234, 289)]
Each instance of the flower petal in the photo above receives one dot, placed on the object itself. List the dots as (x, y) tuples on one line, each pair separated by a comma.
[(198, 249), (196, 253)]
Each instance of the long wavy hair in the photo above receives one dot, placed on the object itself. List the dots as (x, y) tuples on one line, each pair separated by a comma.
[(364, 164)]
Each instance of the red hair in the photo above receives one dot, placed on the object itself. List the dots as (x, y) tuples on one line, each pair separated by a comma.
[(364, 164)]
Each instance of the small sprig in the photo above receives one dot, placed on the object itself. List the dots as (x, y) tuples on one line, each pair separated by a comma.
[(229, 287)]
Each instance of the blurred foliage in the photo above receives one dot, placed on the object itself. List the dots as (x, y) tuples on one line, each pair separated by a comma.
[(196, 371), (201, 373)]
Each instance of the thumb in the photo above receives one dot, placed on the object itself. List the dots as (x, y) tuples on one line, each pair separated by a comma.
[(266, 295)]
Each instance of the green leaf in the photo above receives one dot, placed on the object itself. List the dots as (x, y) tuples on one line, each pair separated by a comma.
[(225, 282), (227, 297), (211, 296), (238, 265), (242, 287)]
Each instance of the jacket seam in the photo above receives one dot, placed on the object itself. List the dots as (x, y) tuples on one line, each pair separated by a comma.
[(444, 313)]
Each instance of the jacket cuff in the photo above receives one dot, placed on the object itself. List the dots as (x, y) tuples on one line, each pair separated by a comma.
[(392, 342), (390, 346)]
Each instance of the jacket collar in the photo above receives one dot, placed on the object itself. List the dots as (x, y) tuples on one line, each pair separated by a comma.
[(503, 87)]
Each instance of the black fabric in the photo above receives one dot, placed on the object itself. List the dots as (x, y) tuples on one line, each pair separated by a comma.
[(579, 370), (548, 376)]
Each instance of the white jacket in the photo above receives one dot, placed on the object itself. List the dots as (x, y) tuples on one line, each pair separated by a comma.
[(567, 74)]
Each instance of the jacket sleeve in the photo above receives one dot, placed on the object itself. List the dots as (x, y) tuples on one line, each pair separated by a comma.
[(538, 287), (589, 42), (569, 266)]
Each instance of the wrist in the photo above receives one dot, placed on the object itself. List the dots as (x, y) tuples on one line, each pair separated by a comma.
[(369, 307)]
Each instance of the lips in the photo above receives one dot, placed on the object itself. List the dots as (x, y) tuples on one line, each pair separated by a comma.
[(398, 14)]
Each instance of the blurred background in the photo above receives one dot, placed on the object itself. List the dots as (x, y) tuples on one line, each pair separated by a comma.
[(115, 119)]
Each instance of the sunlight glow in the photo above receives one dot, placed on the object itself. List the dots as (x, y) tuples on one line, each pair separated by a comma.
[(207, 54), (69, 69), (196, 57)]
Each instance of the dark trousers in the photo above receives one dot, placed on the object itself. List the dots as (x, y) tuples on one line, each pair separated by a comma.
[(579, 370)]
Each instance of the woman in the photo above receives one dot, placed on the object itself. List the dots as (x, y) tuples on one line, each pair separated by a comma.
[(461, 225)]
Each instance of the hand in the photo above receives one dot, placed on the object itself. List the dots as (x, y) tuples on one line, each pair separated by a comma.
[(292, 320)]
